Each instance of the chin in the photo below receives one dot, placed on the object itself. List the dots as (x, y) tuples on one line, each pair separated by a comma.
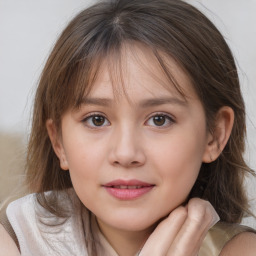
[(131, 223)]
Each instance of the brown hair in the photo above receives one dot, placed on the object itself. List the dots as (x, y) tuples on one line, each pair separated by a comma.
[(172, 27)]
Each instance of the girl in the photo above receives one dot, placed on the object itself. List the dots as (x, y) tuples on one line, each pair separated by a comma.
[(137, 136)]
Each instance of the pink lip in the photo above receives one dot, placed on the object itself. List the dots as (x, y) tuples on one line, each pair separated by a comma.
[(134, 190)]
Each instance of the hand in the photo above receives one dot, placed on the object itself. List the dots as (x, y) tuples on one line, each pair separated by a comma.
[(183, 231)]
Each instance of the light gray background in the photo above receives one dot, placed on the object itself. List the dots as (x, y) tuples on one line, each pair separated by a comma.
[(28, 29)]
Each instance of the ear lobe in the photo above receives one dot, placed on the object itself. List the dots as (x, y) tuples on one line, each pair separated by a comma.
[(57, 144), (219, 138)]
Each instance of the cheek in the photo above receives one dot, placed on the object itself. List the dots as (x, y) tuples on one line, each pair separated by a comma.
[(179, 153), (82, 151), (178, 163), (84, 163)]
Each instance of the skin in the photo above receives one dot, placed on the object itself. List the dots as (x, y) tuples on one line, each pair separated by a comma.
[(7, 245), (129, 145), (183, 231)]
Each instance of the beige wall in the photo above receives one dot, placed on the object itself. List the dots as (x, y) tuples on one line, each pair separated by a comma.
[(12, 155)]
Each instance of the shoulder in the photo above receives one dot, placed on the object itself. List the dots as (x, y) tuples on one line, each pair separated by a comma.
[(7, 245), (229, 239), (242, 244), (20, 209), (51, 233)]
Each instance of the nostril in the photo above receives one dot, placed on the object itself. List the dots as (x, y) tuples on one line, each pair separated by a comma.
[(133, 163)]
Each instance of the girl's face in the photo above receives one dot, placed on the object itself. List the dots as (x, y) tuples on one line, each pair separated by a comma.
[(134, 155)]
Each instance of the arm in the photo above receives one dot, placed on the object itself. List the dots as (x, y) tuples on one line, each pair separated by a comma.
[(7, 245)]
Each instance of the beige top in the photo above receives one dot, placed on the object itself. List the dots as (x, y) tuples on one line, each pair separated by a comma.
[(68, 238), (219, 235)]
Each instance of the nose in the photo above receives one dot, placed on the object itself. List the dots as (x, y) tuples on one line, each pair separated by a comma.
[(126, 149)]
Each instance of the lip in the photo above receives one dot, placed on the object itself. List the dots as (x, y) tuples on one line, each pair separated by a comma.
[(128, 189)]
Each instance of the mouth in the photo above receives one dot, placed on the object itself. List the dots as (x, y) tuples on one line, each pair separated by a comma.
[(127, 187), (128, 190)]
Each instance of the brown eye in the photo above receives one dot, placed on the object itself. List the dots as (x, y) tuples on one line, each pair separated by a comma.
[(159, 120), (95, 120), (98, 120)]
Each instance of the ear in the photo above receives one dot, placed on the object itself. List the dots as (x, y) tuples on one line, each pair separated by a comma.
[(218, 139), (57, 144)]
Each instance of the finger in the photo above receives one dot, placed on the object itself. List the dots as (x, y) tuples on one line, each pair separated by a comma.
[(165, 233), (201, 217)]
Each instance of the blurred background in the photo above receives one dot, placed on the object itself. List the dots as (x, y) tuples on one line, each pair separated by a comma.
[(28, 30)]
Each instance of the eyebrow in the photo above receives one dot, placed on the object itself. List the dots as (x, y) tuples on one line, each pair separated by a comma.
[(105, 102), (161, 101), (97, 101)]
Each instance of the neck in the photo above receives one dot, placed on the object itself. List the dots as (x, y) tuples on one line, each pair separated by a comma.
[(125, 243)]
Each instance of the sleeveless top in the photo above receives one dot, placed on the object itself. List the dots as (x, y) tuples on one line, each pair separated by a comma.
[(42, 233)]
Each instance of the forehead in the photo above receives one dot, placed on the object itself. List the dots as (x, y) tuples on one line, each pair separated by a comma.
[(137, 70)]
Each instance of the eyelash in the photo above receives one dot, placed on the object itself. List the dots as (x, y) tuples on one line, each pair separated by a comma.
[(168, 120), (94, 115)]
